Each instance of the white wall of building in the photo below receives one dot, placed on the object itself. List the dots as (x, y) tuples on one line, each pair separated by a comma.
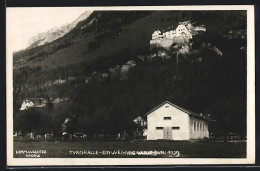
[(156, 34), (165, 43), (180, 123), (178, 119), (183, 29), (200, 28), (171, 34), (198, 128)]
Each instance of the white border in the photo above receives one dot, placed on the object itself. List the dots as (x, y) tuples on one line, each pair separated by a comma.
[(143, 161)]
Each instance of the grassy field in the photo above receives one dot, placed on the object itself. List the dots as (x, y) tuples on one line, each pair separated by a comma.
[(132, 149)]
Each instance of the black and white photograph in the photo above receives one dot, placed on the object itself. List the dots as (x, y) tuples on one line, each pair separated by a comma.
[(150, 85)]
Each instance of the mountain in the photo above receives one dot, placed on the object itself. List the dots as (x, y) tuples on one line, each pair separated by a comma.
[(106, 33), (106, 69), (56, 32)]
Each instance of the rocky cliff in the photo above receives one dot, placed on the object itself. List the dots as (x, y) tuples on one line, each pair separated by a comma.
[(55, 33)]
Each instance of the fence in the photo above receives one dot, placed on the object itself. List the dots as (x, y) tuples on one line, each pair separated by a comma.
[(79, 137)]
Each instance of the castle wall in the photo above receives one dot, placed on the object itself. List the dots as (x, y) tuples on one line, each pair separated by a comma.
[(166, 43)]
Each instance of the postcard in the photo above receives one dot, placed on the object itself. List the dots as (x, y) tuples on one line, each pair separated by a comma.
[(135, 85)]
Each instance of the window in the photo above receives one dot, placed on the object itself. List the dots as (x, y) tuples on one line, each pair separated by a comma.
[(166, 106), (167, 118), (159, 128), (176, 127)]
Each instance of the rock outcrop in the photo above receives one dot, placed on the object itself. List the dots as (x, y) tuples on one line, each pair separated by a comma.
[(55, 33)]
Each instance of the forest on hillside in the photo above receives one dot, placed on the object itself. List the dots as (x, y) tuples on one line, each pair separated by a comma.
[(201, 81)]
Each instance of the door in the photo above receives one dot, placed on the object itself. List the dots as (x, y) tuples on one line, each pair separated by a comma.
[(167, 132)]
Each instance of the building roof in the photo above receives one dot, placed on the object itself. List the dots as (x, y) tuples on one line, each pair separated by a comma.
[(178, 107)]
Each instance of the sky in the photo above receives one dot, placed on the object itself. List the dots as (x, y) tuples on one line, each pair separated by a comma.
[(23, 23)]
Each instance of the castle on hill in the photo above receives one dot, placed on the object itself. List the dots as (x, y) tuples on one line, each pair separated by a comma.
[(183, 33)]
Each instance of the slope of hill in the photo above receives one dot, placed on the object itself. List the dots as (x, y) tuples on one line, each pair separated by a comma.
[(97, 47), (112, 33)]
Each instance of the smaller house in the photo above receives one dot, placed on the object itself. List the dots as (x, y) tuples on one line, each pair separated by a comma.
[(140, 121), (57, 100), (59, 81), (130, 64), (26, 104), (141, 124), (34, 102), (39, 102), (200, 28)]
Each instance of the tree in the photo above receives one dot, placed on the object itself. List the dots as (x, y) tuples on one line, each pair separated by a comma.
[(32, 120), (221, 111)]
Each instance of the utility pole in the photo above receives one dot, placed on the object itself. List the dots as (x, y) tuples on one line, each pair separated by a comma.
[(102, 134), (177, 59)]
